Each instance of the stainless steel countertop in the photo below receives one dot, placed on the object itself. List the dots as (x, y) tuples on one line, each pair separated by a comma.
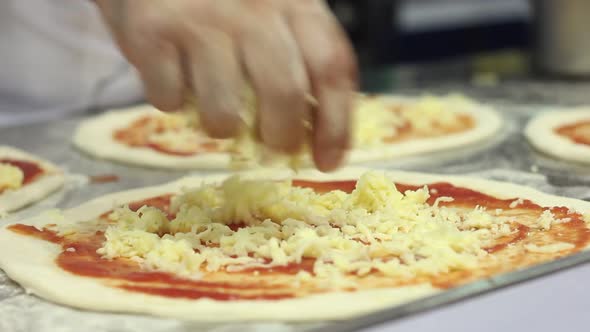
[(505, 157)]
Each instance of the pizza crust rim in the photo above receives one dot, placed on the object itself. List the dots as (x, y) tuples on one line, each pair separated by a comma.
[(33, 268), (541, 135), (13, 200), (94, 137)]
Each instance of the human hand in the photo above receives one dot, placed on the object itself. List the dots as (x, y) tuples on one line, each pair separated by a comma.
[(287, 50)]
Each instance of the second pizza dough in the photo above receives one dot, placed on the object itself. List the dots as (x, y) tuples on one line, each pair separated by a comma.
[(40, 178), (386, 127)]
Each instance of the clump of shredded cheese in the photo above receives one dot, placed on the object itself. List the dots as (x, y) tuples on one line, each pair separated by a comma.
[(430, 111), (373, 121), (546, 220), (377, 119), (246, 150), (243, 224), (11, 177)]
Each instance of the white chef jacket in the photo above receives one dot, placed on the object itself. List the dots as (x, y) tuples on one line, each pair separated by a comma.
[(57, 59)]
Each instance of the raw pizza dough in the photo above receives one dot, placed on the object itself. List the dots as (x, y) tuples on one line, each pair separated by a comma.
[(540, 132), (33, 267), (51, 180), (95, 137)]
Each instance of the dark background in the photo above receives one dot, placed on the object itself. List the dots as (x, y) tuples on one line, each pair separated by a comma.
[(414, 31)]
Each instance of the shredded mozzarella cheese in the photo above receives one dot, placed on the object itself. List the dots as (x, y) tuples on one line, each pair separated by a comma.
[(243, 224)]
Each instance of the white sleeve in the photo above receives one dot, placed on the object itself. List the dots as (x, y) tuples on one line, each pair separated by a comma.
[(58, 59)]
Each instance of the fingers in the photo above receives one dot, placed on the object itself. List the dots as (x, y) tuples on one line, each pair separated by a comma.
[(215, 76), (144, 42), (161, 73), (276, 70), (332, 69), (332, 127)]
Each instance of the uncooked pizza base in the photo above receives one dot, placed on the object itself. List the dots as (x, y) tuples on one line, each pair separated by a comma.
[(12, 200), (95, 137), (33, 265), (540, 132)]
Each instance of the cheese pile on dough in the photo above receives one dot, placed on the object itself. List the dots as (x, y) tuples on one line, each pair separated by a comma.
[(429, 111), (374, 228), (11, 177), (376, 119), (373, 121)]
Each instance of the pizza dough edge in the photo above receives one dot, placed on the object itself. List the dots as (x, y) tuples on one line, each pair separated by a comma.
[(93, 136), (539, 131), (32, 265), (11, 201)]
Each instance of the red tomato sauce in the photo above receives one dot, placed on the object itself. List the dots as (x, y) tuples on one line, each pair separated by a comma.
[(578, 132), (463, 123), (205, 147), (194, 294)]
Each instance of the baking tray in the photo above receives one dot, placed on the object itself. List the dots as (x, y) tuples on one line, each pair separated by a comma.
[(505, 157)]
